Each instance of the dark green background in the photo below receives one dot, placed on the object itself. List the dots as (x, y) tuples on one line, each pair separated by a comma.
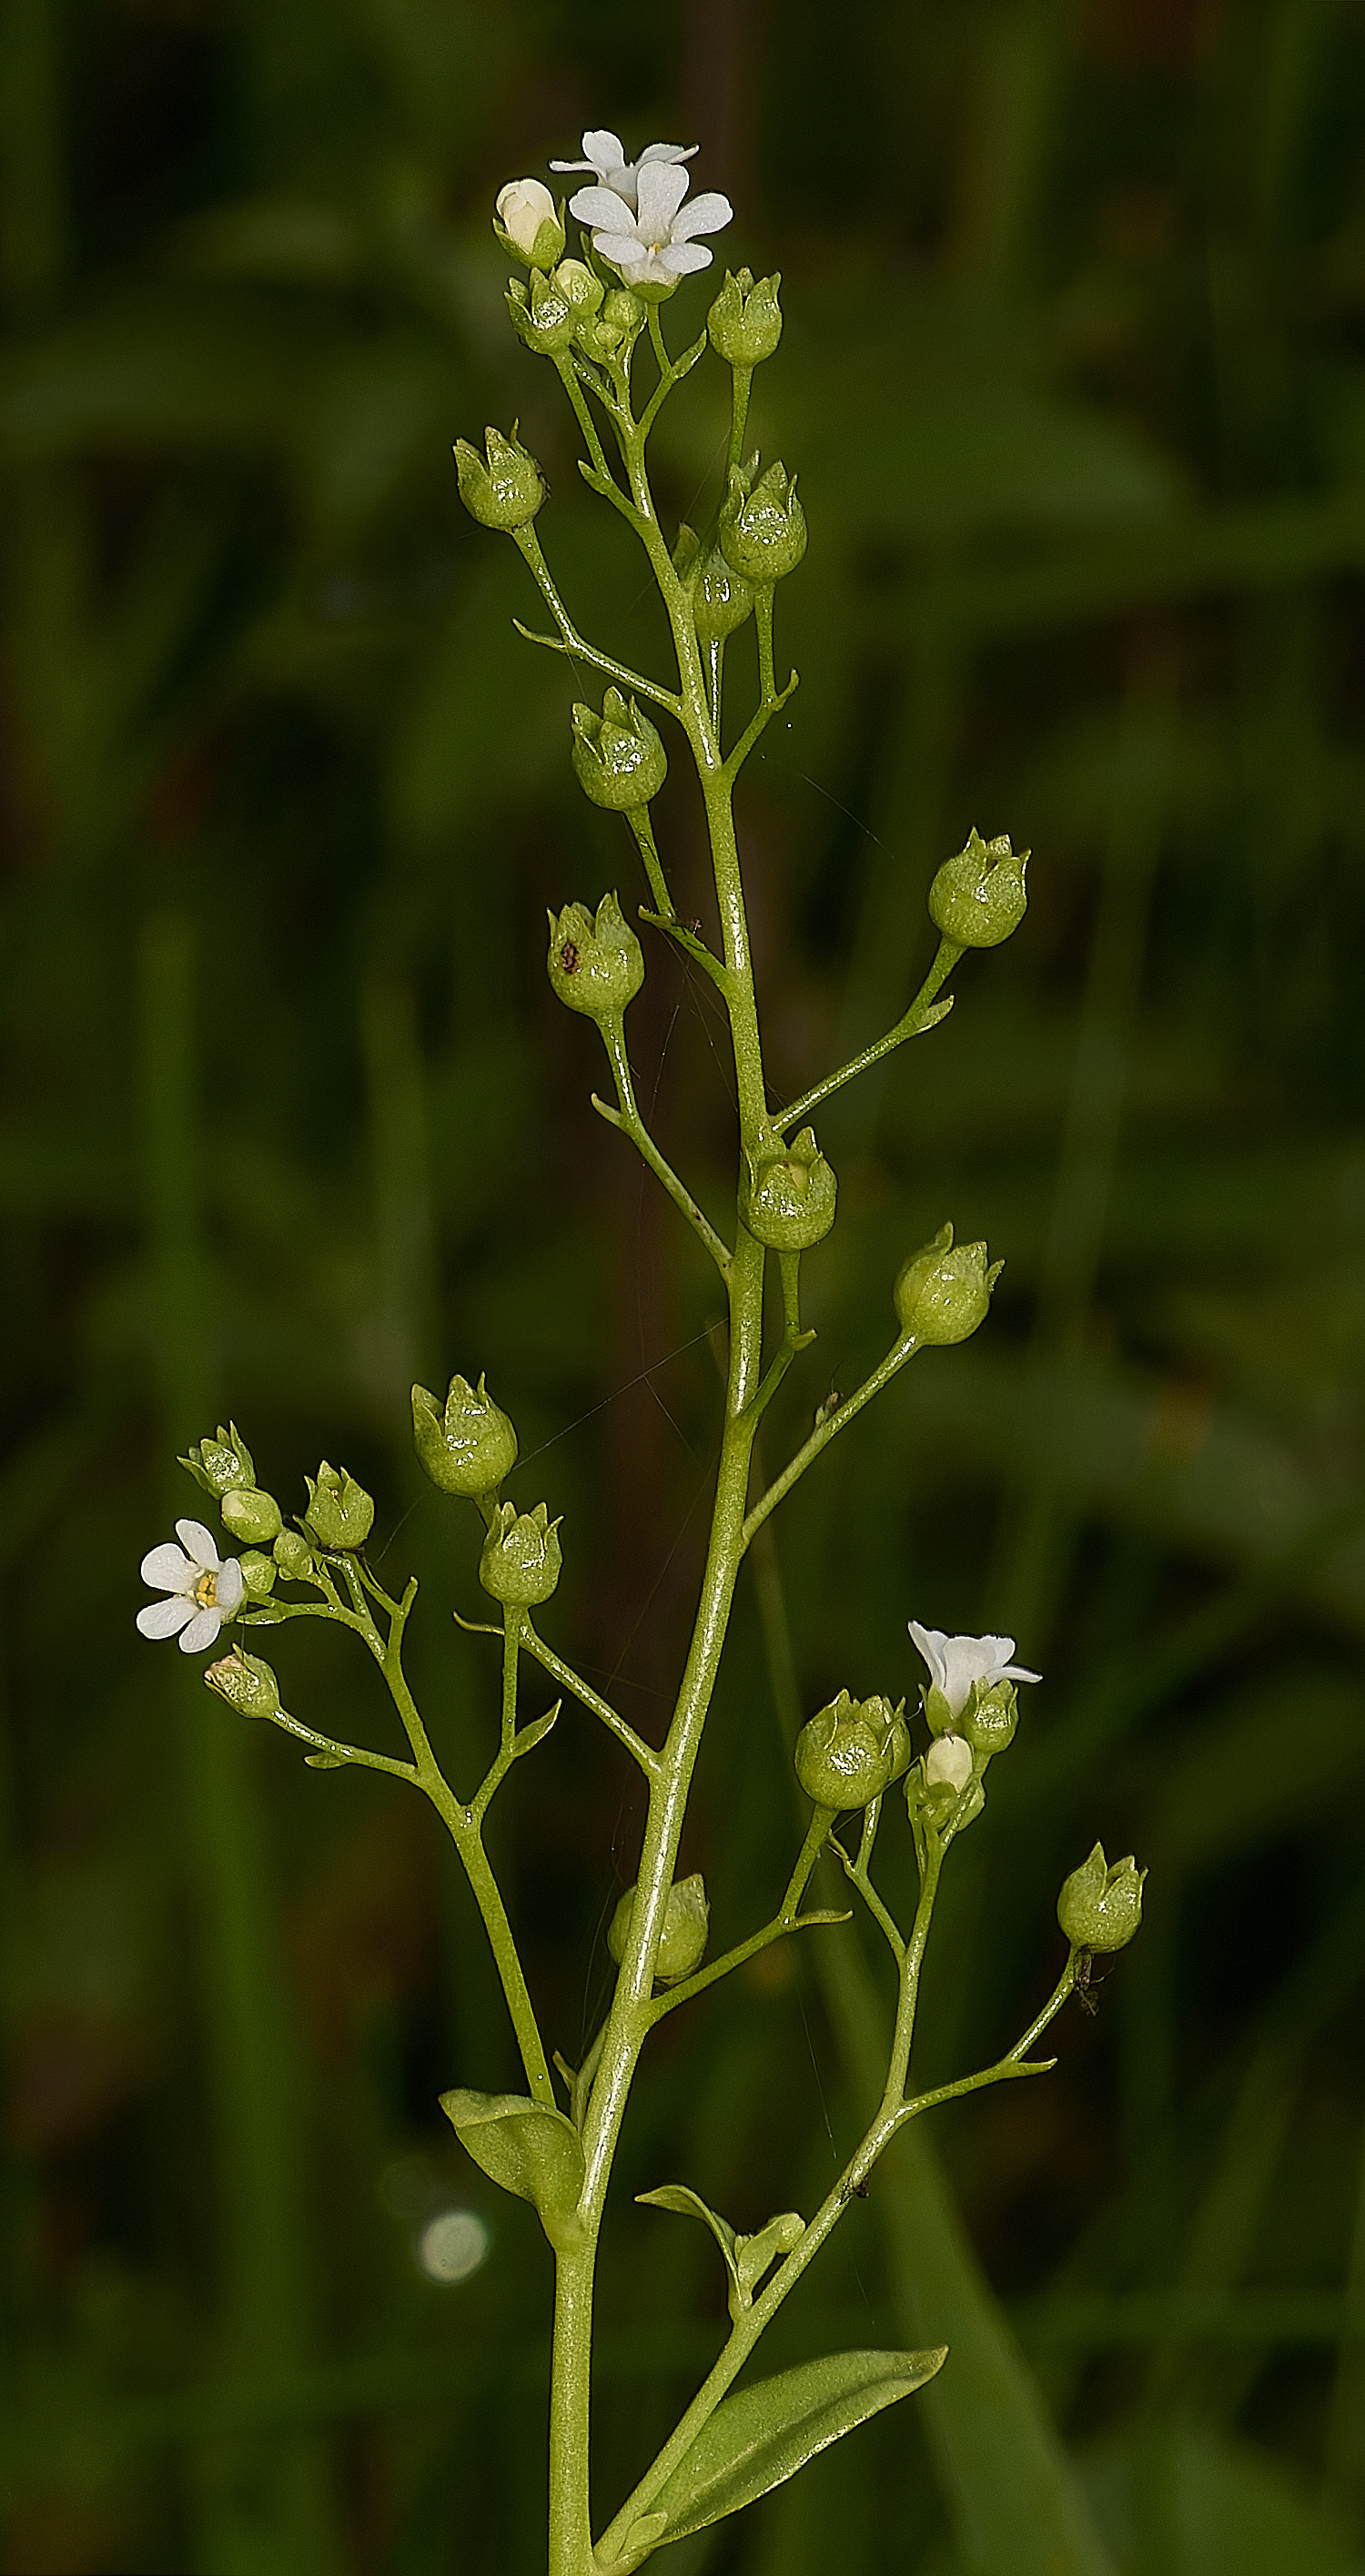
[(1073, 375)]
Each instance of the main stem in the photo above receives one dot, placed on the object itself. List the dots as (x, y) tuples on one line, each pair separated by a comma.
[(630, 2017)]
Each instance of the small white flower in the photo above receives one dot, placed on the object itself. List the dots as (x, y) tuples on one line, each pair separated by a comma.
[(657, 248), (956, 1663), (606, 156), (523, 206), (204, 1589), (949, 1758)]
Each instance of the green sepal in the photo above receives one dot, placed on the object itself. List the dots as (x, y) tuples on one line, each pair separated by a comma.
[(528, 1737), (527, 2148), (755, 2441)]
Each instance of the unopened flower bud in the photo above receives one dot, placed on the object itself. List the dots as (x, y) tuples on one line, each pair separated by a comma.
[(721, 599), (252, 1516), (585, 292), (521, 1562), (745, 322), (979, 897), (618, 757), (258, 1575), (528, 223), (949, 1760), (595, 965), (762, 525), (790, 1198), (990, 1718), (221, 1466), (944, 1291), (339, 1510), (682, 1941), (468, 1445), (1100, 1908), (293, 1555), (851, 1751), (545, 318), (624, 314), (503, 488), (246, 1684)]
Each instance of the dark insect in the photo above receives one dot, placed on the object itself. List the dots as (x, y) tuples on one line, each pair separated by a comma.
[(568, 958), (828, 1404), (1085, 1994), (855, 2191)]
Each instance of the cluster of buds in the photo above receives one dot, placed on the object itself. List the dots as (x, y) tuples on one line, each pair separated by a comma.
[(682, 1942), (972, 1709)]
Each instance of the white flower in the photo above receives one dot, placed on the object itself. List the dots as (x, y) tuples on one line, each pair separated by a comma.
[(523, 206), (955, 1663), (204, 1589), (949, 1758), (606, 156), (657, 248)]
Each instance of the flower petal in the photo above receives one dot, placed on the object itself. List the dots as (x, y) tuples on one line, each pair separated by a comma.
[(605, 151), (163, 1618), (199, 1541), (931, 1642), (682, 258), (229, 1586), (168, 1567), (666, 152), (707, 214), (622, 249), (1015, 1673), (660, 191), (598, 206), (200, 1634)]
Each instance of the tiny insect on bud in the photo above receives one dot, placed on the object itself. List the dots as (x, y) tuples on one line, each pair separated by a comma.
[(596, 964)]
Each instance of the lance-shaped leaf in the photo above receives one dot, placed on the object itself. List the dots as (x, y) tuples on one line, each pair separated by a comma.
[(765, 2434), (746, 2257), (528, 2148)]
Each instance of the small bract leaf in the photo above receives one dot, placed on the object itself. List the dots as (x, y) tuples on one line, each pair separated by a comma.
[(641, 2537), (753, 2254), (756, 2440), (686, 2203), (324, 1762), (530, 1736), (529, 2149)]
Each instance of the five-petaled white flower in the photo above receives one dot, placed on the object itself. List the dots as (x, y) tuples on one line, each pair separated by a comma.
[(606, 156), (956, 1663), (656, 247), (204, 1589)]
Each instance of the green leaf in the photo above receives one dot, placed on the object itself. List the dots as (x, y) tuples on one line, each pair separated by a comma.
[(687, 2203), (529, 2149), (755, 2440), (530, 1736)]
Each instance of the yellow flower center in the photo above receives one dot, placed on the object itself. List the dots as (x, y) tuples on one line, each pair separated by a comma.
[(205, 1592)]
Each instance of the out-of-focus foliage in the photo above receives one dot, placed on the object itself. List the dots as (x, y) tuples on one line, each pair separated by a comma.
[(1073, 376)]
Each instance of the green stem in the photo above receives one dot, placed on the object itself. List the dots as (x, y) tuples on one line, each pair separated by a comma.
[(591, 1699), (788, 1918), (627, 1118), (741, 378), (915, 1021), (638, 818), (828, 1430), (569, 378), (569, 640)]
